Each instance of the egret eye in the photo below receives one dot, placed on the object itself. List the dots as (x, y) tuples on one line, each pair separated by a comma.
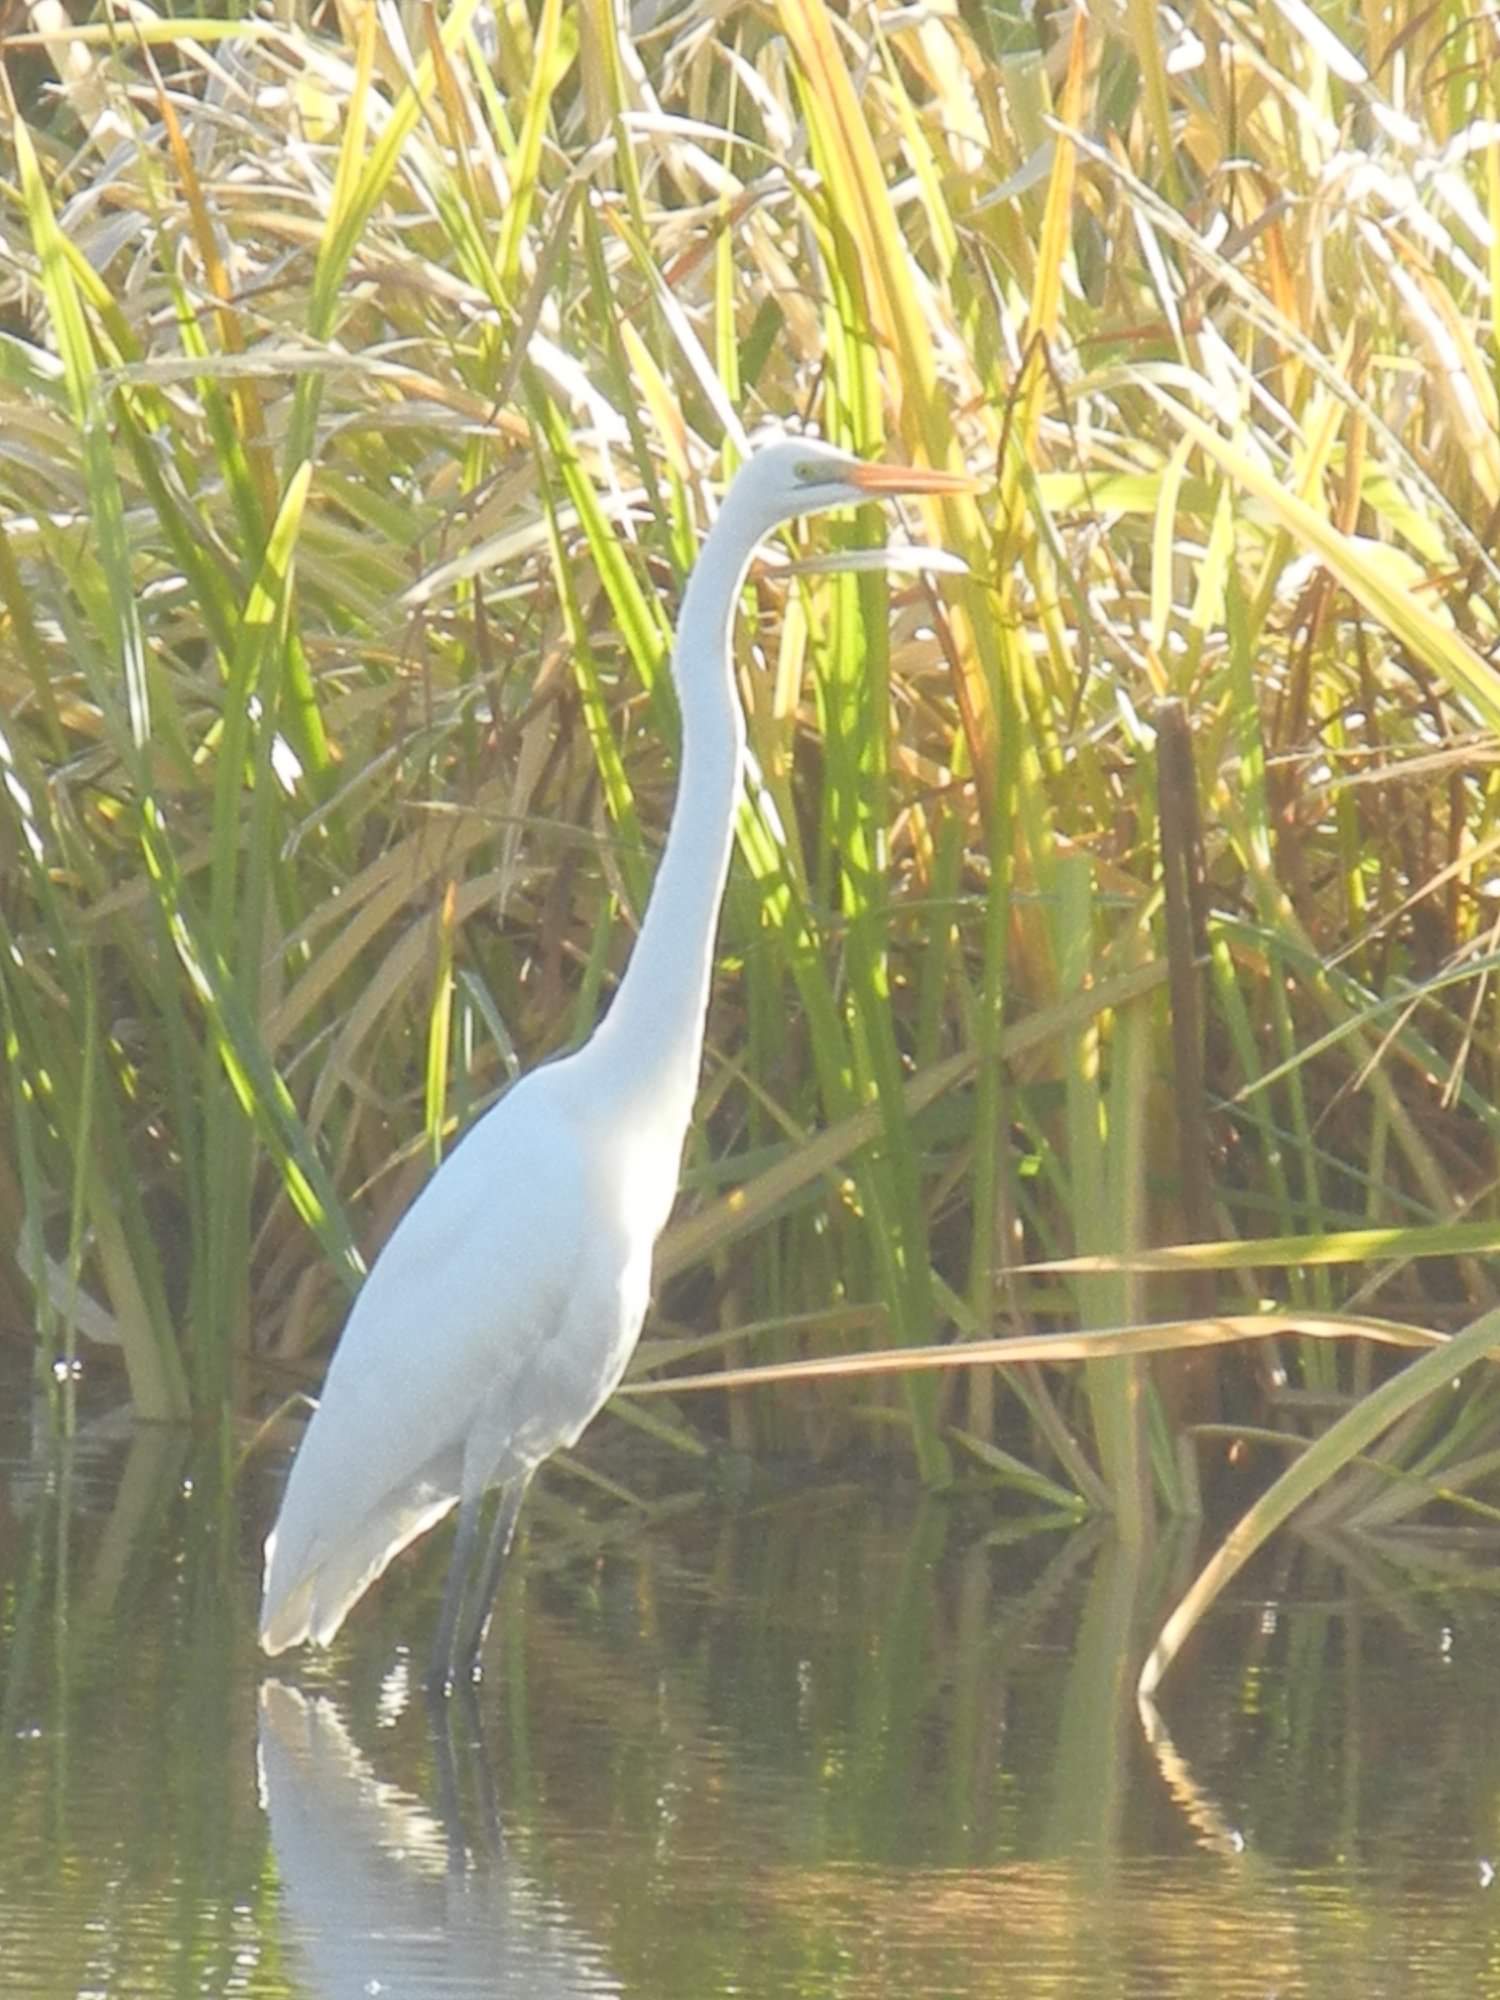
[(816, 472)]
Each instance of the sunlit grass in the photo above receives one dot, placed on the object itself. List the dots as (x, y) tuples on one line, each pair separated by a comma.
[(363, 405)]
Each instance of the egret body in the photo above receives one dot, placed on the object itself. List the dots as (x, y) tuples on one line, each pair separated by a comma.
[(501, 1313)]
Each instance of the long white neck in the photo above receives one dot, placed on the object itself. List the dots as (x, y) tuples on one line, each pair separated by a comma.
[(652, 1035)]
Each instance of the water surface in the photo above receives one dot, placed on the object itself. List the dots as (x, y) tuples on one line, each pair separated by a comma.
[(845, 1741)]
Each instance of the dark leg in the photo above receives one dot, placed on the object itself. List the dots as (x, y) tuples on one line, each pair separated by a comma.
[(440, 1667), (450, 1809), (484, 1773), (471, 1642), (447, 1714)]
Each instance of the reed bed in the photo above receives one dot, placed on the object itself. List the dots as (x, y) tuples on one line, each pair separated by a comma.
[(1113, 932)]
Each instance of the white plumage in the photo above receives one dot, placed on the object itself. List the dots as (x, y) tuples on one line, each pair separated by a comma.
[(502, 1312)]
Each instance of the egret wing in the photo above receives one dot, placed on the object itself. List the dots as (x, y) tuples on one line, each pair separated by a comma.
[(472, 1284)]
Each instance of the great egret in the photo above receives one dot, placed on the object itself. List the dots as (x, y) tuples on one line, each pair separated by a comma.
[(502, 1312)]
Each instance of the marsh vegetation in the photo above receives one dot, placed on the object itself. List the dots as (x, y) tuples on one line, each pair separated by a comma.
[(365, 380)]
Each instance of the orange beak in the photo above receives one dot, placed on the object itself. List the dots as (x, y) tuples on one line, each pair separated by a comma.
[(882, 479)]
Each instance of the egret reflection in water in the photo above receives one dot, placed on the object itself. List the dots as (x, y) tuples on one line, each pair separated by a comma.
[(382, 1895)]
